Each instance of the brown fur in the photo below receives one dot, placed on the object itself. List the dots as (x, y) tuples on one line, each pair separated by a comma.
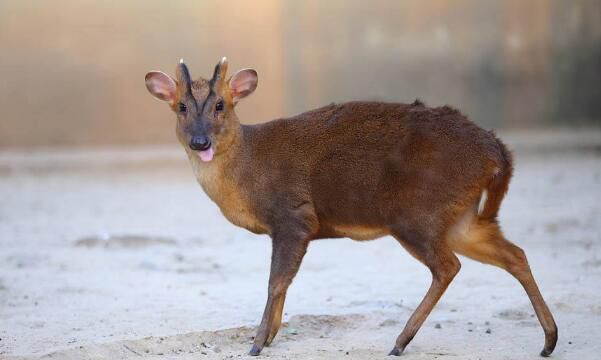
[(360, 170)]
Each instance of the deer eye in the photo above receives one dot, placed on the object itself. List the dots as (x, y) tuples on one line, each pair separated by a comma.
[(219, 105), (181, 107)]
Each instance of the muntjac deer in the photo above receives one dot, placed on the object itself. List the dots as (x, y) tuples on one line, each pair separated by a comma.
[(429, 177)]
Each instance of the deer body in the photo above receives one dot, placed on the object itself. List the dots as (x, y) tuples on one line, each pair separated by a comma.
[(403, 163), (360, 170)]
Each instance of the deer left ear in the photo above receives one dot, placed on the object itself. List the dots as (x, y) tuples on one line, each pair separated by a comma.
[(242, 84)]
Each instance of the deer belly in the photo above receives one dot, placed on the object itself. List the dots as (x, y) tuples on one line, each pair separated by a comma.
[(358, 232)]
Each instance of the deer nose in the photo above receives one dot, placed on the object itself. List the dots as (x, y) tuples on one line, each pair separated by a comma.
[(199, 143)]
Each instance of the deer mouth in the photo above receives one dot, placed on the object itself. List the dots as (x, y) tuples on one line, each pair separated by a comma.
[(206, 154)]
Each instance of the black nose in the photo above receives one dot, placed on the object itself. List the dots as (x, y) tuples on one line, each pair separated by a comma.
[(199, 143)]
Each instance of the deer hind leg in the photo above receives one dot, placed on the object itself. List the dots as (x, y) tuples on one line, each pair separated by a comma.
[(443, 265), (483, 241)]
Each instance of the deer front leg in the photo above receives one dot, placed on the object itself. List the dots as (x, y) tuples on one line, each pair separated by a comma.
[(287, 255)]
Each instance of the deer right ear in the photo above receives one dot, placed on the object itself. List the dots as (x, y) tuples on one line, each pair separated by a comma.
[(242, 84), (161, 86)]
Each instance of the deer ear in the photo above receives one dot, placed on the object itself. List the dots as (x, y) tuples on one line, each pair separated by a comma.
[(242, 84), (161, 86)]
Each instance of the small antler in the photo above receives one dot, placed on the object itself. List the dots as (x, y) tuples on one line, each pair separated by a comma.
[(220, 72), (183, 75)]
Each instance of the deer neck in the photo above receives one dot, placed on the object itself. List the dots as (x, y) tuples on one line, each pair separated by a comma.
[(218, 176), (222, 181)]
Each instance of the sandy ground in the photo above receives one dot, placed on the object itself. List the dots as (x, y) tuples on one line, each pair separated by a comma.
[(117, 254)]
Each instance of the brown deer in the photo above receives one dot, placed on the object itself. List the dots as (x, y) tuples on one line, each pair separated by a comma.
[(429, 177)]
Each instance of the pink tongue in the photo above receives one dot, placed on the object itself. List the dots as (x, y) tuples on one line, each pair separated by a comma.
[(206, 155)]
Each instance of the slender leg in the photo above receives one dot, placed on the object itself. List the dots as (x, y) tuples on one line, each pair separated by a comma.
[(494, 249), (443, 264), (288, 252)]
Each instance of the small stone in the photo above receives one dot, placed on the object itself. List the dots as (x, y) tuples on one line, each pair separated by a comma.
[(346, 353), (388, 322), (488, 331), (470, 330), (292, 331), (569, 342), (437, 326)]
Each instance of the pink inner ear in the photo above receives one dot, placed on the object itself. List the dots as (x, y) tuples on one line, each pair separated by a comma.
[(239, 86), (236, 92), (161, 86), (243, 83)]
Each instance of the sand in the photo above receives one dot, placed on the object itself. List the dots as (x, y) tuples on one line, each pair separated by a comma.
[(117, 254)]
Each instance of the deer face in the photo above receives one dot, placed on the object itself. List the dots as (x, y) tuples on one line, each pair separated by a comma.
[(206, 120)]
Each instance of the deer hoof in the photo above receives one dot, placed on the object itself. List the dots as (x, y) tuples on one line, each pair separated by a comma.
[(546, 353), (255, 351), (395, 352)]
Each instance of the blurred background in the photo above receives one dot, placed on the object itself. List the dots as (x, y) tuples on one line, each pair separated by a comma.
[(110, 250), (71, 71)]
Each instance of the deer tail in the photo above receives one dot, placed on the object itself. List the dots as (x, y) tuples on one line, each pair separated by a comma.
[(498, 184)]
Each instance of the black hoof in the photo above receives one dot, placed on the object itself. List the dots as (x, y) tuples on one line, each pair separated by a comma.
[(395, 352), (255, 351), (550, 342)]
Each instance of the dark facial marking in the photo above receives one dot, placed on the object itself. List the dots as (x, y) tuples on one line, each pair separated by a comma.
[(183, 76), (215, 77)]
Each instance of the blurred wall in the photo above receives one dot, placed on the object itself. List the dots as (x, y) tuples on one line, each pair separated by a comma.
[(71, 71)]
